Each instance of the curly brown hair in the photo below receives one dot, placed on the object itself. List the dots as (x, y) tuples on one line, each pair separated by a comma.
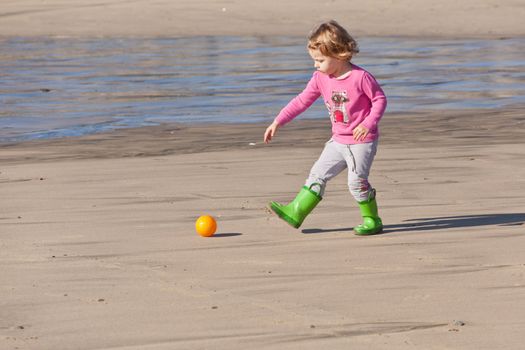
[(332, 40)]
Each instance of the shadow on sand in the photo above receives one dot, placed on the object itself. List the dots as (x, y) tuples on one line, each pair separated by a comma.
[(441, 223), (219, 235)]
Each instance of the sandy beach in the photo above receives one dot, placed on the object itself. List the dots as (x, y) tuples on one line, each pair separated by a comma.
[(97, 239), (163, 18)]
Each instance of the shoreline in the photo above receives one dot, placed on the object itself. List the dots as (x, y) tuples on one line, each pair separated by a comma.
[(453, 128)]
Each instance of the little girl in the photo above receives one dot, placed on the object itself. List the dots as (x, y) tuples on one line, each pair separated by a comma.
[(356, 103)]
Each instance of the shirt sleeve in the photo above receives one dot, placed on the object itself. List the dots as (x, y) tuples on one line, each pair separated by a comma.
[(377, 97), (300, 103)]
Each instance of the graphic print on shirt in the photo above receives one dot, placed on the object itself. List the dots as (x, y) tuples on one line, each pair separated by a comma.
[(338, 113)]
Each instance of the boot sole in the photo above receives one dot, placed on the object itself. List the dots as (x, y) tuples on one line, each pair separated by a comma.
[(369, 232), (283, 216)]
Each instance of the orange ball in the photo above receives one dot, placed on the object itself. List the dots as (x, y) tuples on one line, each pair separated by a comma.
[(206, 226)]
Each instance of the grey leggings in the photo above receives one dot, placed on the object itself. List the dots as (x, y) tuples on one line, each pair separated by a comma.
[(335, 158)]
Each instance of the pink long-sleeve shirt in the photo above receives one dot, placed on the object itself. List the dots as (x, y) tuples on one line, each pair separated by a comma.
[(354, 99)]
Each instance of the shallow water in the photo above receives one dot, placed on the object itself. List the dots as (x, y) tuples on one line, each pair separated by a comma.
[(68, 87)]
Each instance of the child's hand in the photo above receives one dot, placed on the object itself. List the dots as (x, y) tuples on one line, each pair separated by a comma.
[(270, 132), (360, 133)]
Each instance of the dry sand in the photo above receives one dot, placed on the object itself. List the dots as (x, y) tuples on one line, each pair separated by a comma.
[(98, 249), (168, 18)]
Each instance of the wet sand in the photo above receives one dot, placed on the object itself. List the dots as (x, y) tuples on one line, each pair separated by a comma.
[(99, 248)]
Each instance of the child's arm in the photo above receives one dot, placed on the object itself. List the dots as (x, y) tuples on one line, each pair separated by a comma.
[(300, 103), (378, 99), (296, 106)]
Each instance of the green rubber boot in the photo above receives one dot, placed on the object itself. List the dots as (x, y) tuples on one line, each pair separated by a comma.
[(296, 211), (372, 223)]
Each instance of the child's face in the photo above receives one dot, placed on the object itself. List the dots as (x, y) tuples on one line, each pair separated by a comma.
[(326, 64)]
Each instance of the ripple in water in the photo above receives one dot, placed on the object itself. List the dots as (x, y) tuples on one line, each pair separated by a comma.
[(69, 87)]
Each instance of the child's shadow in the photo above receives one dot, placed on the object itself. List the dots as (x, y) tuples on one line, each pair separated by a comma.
[(442, 223)]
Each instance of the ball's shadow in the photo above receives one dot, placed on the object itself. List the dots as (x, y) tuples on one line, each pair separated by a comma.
[(221, 235)]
